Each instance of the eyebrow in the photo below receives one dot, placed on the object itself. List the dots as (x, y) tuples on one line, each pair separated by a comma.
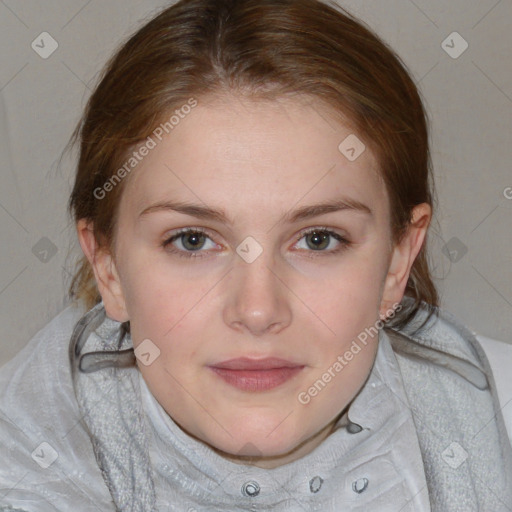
[(219, 215)]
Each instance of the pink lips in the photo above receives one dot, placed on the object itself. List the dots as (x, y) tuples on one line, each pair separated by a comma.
[(256, 374)]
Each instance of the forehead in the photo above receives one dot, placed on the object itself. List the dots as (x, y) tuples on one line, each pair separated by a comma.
[(257, 156)]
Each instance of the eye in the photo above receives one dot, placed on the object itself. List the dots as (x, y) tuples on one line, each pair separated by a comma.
[(192, 241), (320, 238)]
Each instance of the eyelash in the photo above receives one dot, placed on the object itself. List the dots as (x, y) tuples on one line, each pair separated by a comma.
[(344, 243)]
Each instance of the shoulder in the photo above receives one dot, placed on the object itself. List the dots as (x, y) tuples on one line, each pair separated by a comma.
[(40, 369), (48, 454), (499, 355), (447, 342)]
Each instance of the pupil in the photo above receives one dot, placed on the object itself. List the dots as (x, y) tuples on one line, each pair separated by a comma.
[(196, 240), (318, 238)]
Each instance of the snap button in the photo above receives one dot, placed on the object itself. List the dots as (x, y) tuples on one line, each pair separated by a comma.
[(354, 428), (315, 483), (251, 489), (360, 485)]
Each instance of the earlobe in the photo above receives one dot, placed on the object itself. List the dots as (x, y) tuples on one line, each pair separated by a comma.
[(105, 272), (403, 256)]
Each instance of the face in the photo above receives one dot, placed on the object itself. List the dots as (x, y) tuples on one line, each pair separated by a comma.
[(263, 277)]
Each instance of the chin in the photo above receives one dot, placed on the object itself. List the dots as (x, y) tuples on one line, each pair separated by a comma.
[(257, 441), (255, 448)]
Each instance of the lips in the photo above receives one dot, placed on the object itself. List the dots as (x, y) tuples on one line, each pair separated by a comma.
[(256, 374), (246, 363)]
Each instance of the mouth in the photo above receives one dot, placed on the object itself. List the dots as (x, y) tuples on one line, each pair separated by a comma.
[(256, 374)]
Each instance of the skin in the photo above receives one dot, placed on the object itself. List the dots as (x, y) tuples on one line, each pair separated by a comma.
[(257, 161)]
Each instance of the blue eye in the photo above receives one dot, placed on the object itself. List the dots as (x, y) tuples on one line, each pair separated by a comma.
[(317, 239)]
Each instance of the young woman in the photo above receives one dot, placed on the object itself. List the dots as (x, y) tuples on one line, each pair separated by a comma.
[(256, 327)]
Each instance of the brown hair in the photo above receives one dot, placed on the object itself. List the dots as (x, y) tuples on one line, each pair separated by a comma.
[(267, 49)]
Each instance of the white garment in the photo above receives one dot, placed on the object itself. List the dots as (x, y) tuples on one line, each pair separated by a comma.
[(499, 355), (37, 405)]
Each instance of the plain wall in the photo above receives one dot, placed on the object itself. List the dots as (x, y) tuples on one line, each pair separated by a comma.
[(469, 100)]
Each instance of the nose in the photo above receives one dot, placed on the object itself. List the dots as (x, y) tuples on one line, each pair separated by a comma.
[(257, 298)]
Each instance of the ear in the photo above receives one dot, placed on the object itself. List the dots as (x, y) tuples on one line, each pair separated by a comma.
[(403, 256), (105, 272)]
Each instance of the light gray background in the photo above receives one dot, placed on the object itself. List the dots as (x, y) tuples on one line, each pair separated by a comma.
[(469, 100)]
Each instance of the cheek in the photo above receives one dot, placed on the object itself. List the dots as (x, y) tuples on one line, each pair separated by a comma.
[(166, 307), (348, 298), (351, 310), (154, 300)]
